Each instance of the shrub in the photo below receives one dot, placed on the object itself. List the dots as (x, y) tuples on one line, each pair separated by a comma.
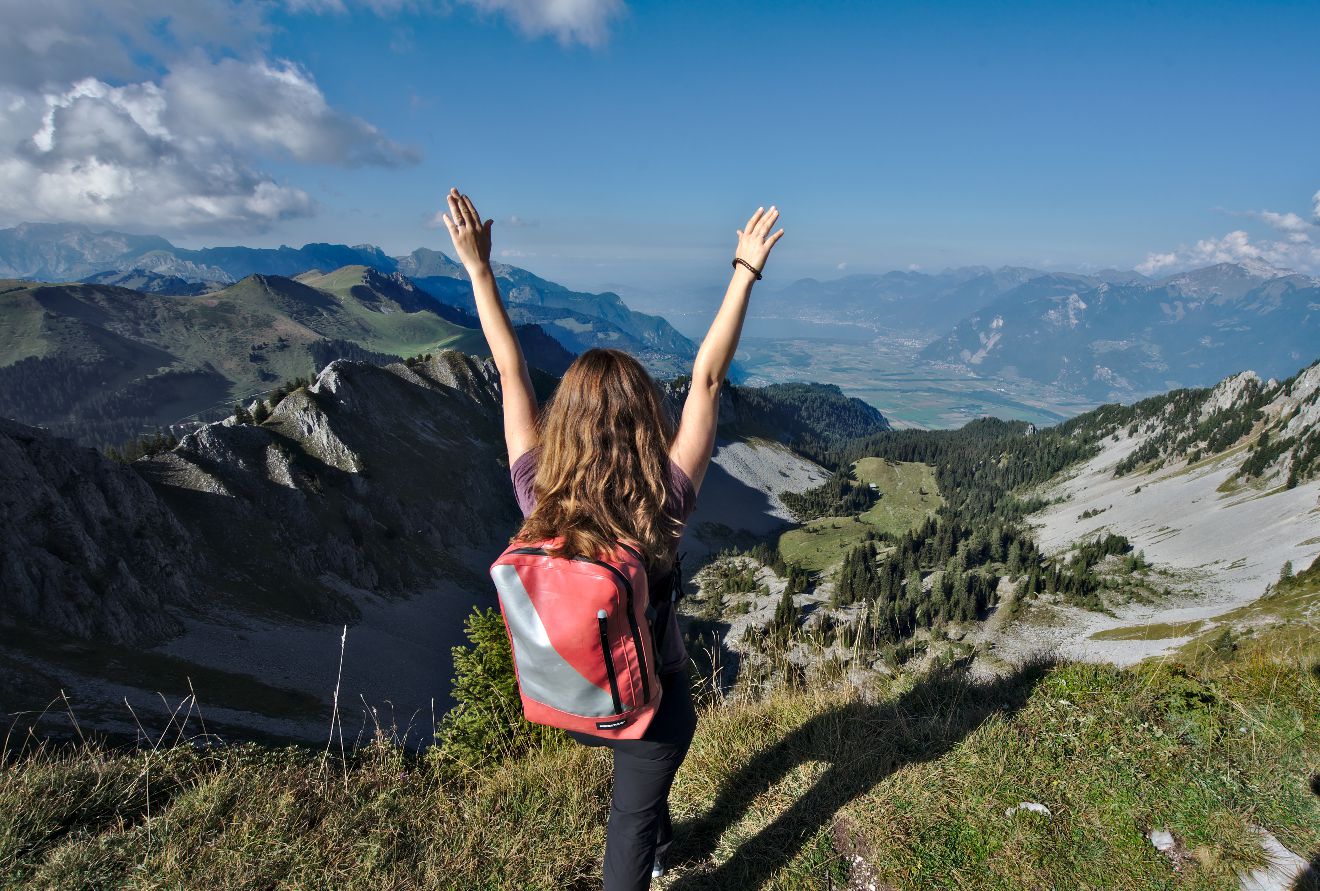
[(152, 444), (1225, 644), (486, 722)]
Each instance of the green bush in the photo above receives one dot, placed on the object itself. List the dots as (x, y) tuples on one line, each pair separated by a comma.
[(1225, 644), (486, 722)]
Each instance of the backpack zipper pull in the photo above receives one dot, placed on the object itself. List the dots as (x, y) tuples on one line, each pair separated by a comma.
[(603, 618)]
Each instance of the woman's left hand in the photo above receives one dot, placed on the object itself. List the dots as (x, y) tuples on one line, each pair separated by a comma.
[(471, 236)]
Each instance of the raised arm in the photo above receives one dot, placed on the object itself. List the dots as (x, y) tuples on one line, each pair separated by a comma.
[(472, 245), (695, 439)]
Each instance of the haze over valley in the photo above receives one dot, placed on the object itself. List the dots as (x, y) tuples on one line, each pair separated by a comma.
[(932, 351)]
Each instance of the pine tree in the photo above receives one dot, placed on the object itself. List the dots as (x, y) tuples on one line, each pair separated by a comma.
[(486, 722), (785, 621), (960, 595)]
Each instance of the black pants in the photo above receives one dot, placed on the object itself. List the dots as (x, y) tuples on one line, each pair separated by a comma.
[(643, 772)]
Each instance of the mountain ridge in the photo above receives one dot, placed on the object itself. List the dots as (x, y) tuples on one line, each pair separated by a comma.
[(64, 252), (1110, 340), (103, 362), (371, 496)]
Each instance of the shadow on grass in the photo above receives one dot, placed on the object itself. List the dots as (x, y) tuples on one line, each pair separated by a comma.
[(1309, 880), (863, 744)]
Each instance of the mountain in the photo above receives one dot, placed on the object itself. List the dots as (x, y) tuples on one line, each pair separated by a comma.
[(373, 497), (1216, 487), (69, 251), (1115, 340), (427, 263), (914, 303), (151, 282), (347, 536), (103, 363), (577, 320), (1120, 276), (87, 548), (59, 252), (66, 251), (811, 418)]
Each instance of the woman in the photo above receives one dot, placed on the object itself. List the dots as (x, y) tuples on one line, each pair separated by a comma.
[(602, 462)]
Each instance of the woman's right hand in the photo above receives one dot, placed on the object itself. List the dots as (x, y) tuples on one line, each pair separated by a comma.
[(470, 235), (755, 240)]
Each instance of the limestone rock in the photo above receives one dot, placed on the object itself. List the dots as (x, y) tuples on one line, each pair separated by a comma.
[(86, 547)]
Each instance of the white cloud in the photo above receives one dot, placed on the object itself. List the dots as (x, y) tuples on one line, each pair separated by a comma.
[(1157, 263), (274, 108), (177, 154), (113, 156), (161, 115), (52, 43), (1237, 247), (1294, 252), (1294, 227), (1315, 210), (103, 119), (568, 21)]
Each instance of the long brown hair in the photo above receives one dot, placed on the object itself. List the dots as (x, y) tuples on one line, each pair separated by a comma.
[(604, 463)]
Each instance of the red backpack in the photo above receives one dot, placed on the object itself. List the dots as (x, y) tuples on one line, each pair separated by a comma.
[(583, 638)]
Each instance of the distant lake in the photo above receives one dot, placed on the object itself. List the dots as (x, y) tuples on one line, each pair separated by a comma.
[(694, 325)]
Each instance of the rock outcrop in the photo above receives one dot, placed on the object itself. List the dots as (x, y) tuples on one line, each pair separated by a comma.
[(87, 549), (372, 478)]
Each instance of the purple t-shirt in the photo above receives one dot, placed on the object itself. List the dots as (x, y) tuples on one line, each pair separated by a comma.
[(680, 498)]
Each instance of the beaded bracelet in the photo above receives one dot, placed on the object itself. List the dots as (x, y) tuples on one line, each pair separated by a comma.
[(756, 272)]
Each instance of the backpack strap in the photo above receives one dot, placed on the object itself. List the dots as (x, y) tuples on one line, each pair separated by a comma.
[(676, 592), (634, 551)]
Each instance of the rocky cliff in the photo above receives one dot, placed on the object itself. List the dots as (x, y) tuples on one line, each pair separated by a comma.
[(372, 478), (87, 548), (373, 497)]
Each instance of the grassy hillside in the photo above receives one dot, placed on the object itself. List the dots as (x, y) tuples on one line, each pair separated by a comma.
[(822, 543), (255, 332), (392, 317), (104, 363), (1287, 615), (812, 787)]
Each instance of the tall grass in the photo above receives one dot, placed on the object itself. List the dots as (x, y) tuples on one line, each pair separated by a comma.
[(804, 786)]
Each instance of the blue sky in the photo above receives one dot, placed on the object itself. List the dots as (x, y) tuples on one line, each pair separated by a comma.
[(625, 143)]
